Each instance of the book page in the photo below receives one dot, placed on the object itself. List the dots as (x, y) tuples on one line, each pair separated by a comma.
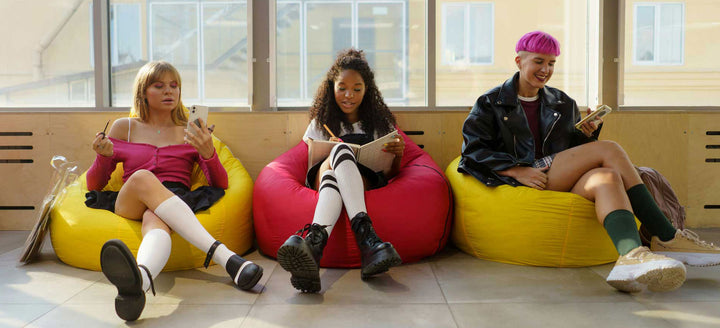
[(318, 150), (373, 156)]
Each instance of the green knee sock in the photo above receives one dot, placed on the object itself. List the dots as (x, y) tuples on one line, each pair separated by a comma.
[(620, 226), (649, 213)]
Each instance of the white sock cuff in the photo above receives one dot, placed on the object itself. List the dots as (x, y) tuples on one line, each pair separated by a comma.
[(167, 205), (159, 234)]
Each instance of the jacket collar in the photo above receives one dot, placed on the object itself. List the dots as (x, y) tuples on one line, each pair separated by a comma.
[(508, 94)]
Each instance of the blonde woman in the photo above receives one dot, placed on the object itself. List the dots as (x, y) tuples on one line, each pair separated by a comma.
[(158, 155)]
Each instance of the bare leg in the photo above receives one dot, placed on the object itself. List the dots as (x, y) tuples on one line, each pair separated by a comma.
[(140, 192), (603, 186), (570, 165)]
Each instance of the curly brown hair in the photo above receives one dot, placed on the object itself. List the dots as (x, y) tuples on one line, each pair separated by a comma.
[(373, 113)]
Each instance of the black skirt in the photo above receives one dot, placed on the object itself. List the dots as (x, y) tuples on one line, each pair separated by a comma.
[(199, 199), (374, 180)]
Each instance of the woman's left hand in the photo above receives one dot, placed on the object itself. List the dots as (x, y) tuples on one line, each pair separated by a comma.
[(396, 147), (201, 139), (588, 128)]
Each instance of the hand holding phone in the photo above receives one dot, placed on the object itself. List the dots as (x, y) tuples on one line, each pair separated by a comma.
[(197, 112), (596, 114)]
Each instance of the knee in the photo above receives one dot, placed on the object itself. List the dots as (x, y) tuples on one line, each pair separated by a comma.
[(611, 148), (605, 177), (142, 179), (340, 153)]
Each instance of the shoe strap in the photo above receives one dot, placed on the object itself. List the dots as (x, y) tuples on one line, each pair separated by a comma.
[(309, 227), (152, 285), (210, 253)]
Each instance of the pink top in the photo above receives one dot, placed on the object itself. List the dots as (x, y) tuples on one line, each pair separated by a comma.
[(169, 163)]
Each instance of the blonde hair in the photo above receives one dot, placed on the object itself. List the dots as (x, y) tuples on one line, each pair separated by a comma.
[(147, 75)]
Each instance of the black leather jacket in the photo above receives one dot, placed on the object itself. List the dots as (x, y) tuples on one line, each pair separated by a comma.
[(496, 135)]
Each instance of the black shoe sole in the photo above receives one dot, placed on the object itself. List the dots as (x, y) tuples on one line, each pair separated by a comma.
[(295, 257), (249, 284), (381, 261), (119, 267)]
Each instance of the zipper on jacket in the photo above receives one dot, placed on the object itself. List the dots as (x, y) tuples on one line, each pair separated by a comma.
[(515, 146), (550, 131)]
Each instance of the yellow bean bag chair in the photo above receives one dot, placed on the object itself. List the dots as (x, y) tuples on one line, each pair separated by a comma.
[(78, 232), (522, 225)]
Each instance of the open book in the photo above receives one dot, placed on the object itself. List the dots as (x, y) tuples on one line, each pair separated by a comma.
[(369, 154)]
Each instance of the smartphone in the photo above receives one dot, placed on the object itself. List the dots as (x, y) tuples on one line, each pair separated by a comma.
[(596, 114), (197, 112)]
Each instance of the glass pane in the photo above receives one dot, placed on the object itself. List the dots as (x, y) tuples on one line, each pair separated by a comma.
[(494, 34), (309, 35), (645, 35), (481, 34), (289, 60), (225, 45), (670, 47), (380, 34), (685, 71), (453, 50), (174, 38), (329, 30), (47, 58)]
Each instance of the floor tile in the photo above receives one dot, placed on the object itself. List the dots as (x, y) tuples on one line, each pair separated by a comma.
[(464, 278), (556, 315), (19, 315), (341, 316), (409, 283), (157, 315), (43, 282), (11, 239), (686, 314)]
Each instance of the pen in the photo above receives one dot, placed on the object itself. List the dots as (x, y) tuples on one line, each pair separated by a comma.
[(105, 129), (331, 134)]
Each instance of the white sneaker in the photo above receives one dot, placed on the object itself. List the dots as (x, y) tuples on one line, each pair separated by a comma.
[(687, 248), (641, 268)]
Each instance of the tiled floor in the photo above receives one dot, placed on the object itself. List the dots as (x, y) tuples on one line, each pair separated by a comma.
[(450, 289)]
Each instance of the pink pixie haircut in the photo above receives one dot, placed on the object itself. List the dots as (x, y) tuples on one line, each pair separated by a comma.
[(538, 42)]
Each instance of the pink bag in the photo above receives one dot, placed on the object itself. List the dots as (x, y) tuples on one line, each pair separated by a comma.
[(665, 198)]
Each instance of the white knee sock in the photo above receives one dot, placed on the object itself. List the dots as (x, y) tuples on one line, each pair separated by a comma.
[(179, 217), (329, 202), (349, 179), (153, 253)]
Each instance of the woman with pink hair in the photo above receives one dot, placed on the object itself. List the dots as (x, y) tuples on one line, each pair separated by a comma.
[(522, 133)]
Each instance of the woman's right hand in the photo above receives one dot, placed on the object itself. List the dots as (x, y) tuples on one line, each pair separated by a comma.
[(102, 145), (528, 176), (335, 139)]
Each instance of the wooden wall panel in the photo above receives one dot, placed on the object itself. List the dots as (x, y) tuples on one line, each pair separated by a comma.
[(704, 178), (24, 184), (672, 143)]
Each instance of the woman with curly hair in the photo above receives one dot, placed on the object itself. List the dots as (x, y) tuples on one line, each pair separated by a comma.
[(349, 103)]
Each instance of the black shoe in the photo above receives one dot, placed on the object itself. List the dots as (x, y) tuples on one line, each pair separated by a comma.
[(301, 257), (119, 266), (377, 256), (245, 274)]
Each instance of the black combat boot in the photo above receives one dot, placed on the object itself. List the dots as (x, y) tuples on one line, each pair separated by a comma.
[(301, 257), (377, 256)]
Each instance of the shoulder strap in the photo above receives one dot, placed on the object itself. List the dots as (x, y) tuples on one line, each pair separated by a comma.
[(129, 125)]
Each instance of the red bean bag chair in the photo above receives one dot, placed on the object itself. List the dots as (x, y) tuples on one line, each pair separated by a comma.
[(413, 211)]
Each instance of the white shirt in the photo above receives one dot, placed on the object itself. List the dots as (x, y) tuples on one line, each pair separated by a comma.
[(316, 132)]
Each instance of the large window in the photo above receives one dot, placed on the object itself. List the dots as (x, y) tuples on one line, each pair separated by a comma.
[(658, 33), (310, 33), (207, 41), (476, 46), (671, 53), (468, 33), (46, 58)]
